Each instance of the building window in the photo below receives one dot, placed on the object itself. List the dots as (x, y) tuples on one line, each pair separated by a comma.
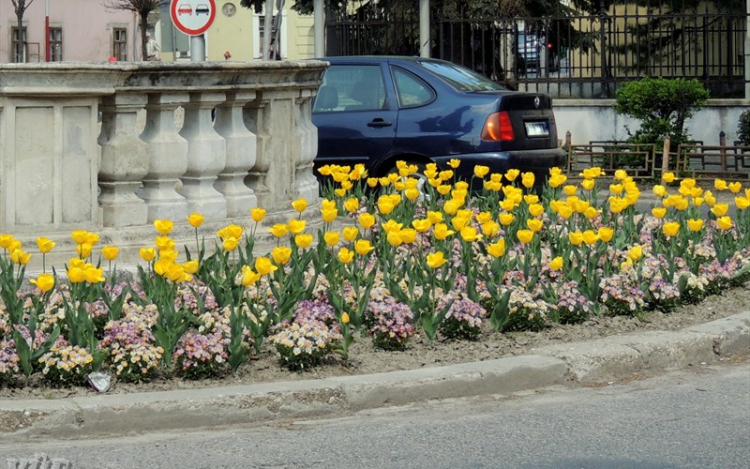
[(120, 44), (55, 45), (259, 32), (18, 45)]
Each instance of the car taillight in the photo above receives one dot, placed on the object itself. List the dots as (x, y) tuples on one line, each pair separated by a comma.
[(497, 128)]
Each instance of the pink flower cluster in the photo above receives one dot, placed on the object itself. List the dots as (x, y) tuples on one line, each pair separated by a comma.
[(200, 356), (391, 323)]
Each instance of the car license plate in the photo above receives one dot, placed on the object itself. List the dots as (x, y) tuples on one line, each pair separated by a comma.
[(537, 129)]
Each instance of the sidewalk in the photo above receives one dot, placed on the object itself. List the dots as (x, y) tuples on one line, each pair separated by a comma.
[(597, 361)]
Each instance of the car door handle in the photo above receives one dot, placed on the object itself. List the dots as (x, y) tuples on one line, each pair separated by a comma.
[(379, 122)]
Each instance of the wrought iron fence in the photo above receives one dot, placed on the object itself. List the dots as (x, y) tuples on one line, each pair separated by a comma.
[(567, 53)]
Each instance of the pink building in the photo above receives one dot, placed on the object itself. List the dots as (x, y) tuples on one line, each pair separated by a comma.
[(79, 30)]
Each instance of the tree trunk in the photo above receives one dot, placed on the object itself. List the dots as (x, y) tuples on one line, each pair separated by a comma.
[(144, 30)]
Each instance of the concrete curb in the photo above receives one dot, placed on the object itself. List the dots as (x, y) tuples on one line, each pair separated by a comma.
[(582, 362)]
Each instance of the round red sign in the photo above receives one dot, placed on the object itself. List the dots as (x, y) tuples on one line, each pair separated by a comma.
[(193, 17)]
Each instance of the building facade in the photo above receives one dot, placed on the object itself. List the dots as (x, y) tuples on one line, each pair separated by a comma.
[(79, 30)]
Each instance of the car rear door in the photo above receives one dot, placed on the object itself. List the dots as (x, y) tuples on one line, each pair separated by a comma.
[(355, 114)]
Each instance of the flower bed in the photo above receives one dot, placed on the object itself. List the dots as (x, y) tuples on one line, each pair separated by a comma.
[(434, 262)]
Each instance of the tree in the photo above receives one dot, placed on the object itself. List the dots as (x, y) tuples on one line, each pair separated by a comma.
[(143, 8), (257, 5), (20, 7)]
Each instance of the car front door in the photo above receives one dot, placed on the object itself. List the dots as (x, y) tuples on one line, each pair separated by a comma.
[(356, 115)]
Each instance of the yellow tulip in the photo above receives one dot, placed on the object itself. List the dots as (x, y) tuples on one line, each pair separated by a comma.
[(366, 220), (508, 204), (512, 174), (340, 192), (326, 204), (168, 254), (575, 238), (44, 282), (534, 224), (570, 189), (709, 198), (164, 227), (436, 260), (6, 240), (363, 247), (351, 204), (506, 218), (344, 318), (76, 275), (230, 243), (385, 207), (557, 180), (481, 171), (452, 206), (421, 225), (80, 236), (177, 274), (345, 256), (249, 277), (668, 177), (329, 215), (84, 250), (658, 212), (164, 243), (264, 266), (735, 187), (435, 217), (697, 201), (635, 253), (281, 254), (296, 226), (591, 213), (257, 214), (525, 236), (190, 267), (724, 223), (720, 185), (720, 209), (565, 211), (279, 230), (350, 233), (671, 228), (588, 184), (45, 245), (695, 225), (556, 263), (605, 234), (195, 219), (110, 252), (234, 231), (490, 229), (372, 182), (589, 237), (408, 235), (621, 174), (300, 204), (454, 163), (303, 240), (659, 191), (441, 231), (536, 210), (742, 202), (394, 238), (148, 254), (459, 222), (392, 225), (528, 179), (497, 249), (445, 175), (470, 234), (332, 238), (325, 170), (412, 193), (682, 204)]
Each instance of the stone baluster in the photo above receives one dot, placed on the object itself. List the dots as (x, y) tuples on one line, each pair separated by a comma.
[(124, 161), (206, 156), (306, 185), (241, 151), (167, 152), (255, 120)]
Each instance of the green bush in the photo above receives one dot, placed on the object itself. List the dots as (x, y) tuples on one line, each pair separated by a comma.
[(662, 105), (743, 130)]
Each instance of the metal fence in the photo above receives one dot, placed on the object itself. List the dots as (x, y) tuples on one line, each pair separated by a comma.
[(567, 53)]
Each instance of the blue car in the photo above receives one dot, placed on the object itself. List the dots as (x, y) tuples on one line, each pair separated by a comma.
[(378, 110)]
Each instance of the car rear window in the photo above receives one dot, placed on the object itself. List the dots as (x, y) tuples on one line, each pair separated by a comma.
[(461, 78)]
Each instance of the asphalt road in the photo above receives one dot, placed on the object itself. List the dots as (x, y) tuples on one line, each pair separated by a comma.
[(697, 418)]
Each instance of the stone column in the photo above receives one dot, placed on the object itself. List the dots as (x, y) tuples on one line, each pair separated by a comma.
[(241, 148), (167, 153), (305, 183), (254, 115), (124, 161), (206, 156)]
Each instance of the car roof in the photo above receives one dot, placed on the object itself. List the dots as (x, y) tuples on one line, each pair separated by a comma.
[(379, 58)]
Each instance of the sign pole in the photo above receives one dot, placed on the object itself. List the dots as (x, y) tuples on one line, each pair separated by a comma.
[(198, 48), (46, 31)]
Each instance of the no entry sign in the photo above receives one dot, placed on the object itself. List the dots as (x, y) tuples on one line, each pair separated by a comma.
[(193, 17)]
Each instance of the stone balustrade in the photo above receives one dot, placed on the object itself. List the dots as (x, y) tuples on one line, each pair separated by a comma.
[(111, 147)]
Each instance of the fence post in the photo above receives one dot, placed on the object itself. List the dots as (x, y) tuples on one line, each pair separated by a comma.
[(723, 145), (568, 139), (665, 158), (424, 28)]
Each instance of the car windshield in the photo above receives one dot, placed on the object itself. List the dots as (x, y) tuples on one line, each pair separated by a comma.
[(461, 78)]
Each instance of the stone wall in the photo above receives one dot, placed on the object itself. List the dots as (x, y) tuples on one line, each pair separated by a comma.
[(111, 147)]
